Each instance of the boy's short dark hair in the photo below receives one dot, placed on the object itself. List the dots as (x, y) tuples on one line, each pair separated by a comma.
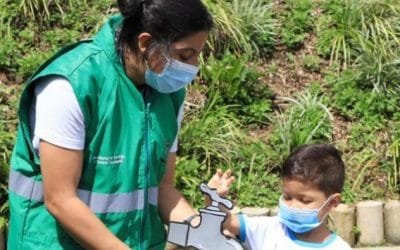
[(318, 164)]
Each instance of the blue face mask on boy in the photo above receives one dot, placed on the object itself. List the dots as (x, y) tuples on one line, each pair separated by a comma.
[(300, 220), (175, 76)]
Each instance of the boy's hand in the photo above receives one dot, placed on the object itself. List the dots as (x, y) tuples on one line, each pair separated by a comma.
[(221, 181)]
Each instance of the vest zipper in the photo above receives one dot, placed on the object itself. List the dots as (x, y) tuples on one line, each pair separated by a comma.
[(147, 167)]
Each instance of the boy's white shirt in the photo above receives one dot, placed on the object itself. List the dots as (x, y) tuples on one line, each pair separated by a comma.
[(268, 233), (55, 116)]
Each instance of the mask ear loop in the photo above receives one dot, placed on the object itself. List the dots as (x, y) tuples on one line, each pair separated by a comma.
[(165, 60), (323, 205)]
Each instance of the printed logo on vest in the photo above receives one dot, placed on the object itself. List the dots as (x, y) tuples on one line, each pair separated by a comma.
[(109, 160)]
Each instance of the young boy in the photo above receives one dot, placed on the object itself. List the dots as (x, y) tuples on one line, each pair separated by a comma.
[(312, 180)]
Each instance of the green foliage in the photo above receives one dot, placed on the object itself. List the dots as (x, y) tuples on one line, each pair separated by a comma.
[(30, 34), (189, 174), (306, 120), (393, 167), (8, 123), (259, 24), (272, 68), (40, 9), (354, 100), (379, 64), (8, 13), (348, 196), (232, 82), (4, 206), (257, 165), (337, 29), (363, 133), (256, 186), (366, 177), (311, 63), (243, 26), (297, 22), (371, 163), (290, 57), (213, 138), (363, 33)]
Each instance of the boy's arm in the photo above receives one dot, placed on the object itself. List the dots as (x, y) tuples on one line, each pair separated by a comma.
[(232, 225), (222, 181)]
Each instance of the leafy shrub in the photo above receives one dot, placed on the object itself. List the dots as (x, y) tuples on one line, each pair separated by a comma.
[(297, 22), (337, 30), (365, 173), (306, 120), (362, 33), (232, 82), (258, 23), (40, 9), (363, 133), (31, 34), (213, 138), (311, 63), (189, 174), (379, 65), (243, 26), (393, 168), (8, 123), (356, 101), (258, 175)]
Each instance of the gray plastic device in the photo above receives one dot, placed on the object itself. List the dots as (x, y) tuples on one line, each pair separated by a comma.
[(208, 234)]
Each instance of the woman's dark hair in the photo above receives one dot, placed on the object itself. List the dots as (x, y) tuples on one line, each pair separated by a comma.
[(318, 164), (166, 20)]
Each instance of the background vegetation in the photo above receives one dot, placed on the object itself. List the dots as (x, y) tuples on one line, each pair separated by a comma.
[(275, 74)]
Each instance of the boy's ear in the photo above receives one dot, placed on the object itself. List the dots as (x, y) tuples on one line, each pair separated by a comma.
[(335, 200)]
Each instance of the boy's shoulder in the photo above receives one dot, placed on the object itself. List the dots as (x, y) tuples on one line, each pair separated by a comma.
[(262, 222), (339, 243), (332, 242), (261, 232)]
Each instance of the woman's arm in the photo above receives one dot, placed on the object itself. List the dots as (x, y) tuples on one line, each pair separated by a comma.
[(61, 169), (172, 205)]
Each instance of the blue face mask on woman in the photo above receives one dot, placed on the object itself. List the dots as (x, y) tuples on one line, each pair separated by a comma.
[(300, 220), (175, 76)]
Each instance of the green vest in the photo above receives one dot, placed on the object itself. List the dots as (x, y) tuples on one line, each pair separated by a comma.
[(128, 138)]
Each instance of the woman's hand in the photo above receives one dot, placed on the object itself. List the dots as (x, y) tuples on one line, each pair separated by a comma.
[(222, 181)]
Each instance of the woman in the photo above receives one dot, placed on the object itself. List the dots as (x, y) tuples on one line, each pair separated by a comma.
[(93, 165)]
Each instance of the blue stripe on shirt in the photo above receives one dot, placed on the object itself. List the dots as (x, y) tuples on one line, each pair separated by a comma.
[(242, 228)]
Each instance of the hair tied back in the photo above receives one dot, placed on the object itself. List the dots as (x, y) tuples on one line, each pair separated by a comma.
[(130, 8)]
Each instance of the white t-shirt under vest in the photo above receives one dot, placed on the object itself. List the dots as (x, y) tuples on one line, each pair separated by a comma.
[(55, 116)]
